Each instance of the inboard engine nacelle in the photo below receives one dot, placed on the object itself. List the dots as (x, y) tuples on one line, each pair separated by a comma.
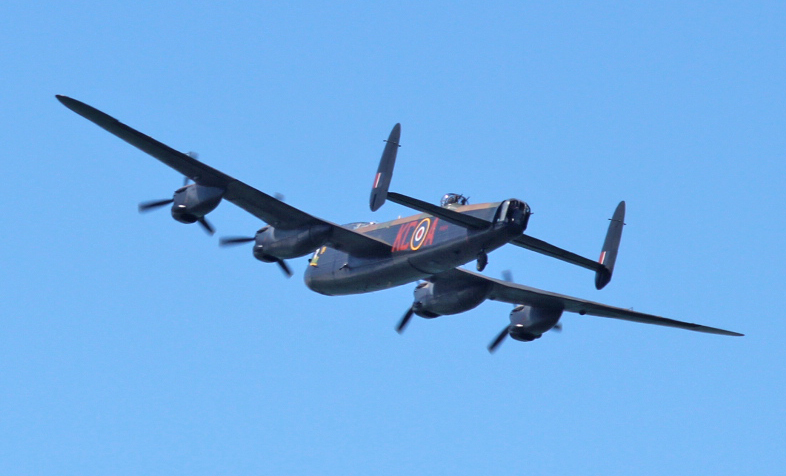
[(272, 244), (445, 297)]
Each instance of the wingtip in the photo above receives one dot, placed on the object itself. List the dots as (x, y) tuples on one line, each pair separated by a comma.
[(67, 101), (395, 134), (620, 209), (724, 332)]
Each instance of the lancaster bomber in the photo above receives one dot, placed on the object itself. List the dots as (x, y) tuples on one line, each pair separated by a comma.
[(427, 248)]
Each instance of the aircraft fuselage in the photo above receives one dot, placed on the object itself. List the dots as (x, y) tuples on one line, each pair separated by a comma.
[(423, 245)]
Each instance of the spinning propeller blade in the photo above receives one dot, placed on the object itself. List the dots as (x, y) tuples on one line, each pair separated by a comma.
[(498, 340), (284, 267), (194, 156), (405, 320), (235, 240), (153, 204), (206, 225)]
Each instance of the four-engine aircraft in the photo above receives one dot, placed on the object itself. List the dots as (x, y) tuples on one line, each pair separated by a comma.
[(363, 257)]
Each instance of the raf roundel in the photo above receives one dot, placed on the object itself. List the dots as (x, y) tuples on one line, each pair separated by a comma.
[(420, 234)]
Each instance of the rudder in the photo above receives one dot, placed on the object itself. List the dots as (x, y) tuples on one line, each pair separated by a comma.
[(379, 191), (608, 255)]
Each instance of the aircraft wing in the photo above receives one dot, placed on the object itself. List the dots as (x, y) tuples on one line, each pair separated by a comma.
[(518, 294), (263, 206)]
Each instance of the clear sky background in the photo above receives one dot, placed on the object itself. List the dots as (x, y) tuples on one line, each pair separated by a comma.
[(132, 344)]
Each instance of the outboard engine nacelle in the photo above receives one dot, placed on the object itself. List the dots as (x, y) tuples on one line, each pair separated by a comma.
[(528, 323), (272, 245), (444, 297), (194, 201)]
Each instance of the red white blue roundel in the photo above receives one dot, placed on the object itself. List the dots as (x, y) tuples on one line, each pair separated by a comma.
[(421, 231)]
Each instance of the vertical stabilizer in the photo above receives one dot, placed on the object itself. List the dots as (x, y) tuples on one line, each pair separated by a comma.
[(379, 190), (608, 254)]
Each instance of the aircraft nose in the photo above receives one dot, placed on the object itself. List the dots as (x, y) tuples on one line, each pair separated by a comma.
[(307, 278)]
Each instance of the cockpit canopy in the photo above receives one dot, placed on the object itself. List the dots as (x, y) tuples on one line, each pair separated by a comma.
[(359, 224), (453, 200)]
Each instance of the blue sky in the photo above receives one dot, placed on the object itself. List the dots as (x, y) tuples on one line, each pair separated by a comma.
[(133, 344)]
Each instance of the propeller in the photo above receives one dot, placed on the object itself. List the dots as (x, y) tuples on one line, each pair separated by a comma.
[(153, 204), (194, 156), (498, 340), (239, 240), (405, 320)]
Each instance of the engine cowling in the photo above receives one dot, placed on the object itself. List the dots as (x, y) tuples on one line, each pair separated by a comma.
[(272, 244), (445, 297), (194, 201), (528, 323)]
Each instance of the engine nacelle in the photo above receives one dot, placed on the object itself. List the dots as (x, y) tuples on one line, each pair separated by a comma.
[(272, 244), (194, 201), (528, 323), (444, 297)]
